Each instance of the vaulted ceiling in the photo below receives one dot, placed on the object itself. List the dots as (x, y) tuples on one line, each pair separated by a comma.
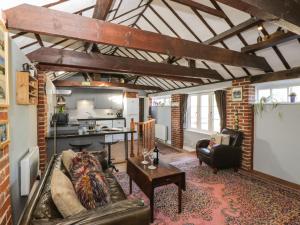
[(207, 21)]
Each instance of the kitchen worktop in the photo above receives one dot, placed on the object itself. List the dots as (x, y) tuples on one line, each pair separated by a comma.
[(94, 133), (102, 118)]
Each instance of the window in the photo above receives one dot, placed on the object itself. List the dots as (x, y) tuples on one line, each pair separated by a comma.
[(194, 111), (279, 94), (203, 113)]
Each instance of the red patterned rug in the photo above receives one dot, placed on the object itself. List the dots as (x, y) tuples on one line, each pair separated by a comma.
[(226, 198)]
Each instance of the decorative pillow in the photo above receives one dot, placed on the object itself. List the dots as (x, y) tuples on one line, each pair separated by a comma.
[(91, 189), (217, 138), (89, 181), (67, 157), (63, 195), (225, 139), (85, 162)]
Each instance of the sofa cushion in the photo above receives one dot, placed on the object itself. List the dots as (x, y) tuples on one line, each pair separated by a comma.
[(63, 194), (84, 162), (67, 157), (115, 190), (91, 189), (89, 181)]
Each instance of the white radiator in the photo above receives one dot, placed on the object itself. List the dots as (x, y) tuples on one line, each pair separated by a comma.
[(29, 170), (161, 132)]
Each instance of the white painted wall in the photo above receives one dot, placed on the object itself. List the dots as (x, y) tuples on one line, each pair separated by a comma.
[(23, 131), (276, 143), (162, 115)]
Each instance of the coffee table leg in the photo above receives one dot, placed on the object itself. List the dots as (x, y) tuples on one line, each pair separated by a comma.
[(130, 185), (152, 205), (179, 197)]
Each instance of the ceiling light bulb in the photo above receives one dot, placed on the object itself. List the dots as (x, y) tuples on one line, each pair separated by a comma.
[(260, 28)]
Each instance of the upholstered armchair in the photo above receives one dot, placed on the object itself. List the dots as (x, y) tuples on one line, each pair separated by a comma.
[(222, 156)]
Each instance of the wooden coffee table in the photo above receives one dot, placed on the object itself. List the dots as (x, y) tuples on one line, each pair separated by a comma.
[(148, 180)]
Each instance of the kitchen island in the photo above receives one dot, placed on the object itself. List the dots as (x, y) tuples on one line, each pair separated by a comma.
[(63, 140)]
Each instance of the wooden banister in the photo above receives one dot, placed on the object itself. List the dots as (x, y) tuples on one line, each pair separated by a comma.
[(146, 135)]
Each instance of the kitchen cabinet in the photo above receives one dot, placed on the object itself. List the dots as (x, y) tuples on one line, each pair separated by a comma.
[(118, 124)]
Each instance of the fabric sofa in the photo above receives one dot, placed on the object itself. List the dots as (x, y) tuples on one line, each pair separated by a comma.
[(222, 156), (42, 210)]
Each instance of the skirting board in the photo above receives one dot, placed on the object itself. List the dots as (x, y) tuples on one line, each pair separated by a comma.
[(189, 149), (269, 178)]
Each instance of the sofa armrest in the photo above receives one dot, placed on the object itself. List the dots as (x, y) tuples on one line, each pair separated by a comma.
[(126, 212), (203, 143)]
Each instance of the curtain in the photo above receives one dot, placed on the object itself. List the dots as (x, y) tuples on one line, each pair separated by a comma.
[(184, 109), (221, 104)]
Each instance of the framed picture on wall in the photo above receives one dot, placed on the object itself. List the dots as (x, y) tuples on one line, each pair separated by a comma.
[(237, 94), (3, 66), (4, 134)]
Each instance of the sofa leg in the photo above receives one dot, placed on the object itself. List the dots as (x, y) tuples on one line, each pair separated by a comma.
[(200, 162), (215, 170), (236, 169)]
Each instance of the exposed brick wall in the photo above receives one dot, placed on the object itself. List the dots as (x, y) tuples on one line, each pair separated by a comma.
[(5, 204), (176, 121), (42, 120), (245, 115)]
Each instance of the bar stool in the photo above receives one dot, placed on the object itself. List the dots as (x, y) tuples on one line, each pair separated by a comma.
[(80, 145), (109, 144)]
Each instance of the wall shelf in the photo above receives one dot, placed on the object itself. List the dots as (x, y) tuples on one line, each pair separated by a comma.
[(27, 89)]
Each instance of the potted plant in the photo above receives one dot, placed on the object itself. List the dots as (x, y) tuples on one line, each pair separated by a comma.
[(259, 107), (293, 97)]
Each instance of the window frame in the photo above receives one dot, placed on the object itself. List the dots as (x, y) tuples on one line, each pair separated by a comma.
[(272, 87), (211, 116)]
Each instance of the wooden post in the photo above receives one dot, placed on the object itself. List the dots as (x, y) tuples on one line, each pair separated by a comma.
[(132, 128), (138, 139)]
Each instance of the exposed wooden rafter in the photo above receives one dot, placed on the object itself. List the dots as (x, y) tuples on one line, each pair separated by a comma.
[(27, 18), (284, 13), (201, 7), (279, 75), (101, 11), (272, 41), (58, 57), (95, 84), (233, 31)]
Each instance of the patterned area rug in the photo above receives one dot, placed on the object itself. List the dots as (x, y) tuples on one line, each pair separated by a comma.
[(226, 198)]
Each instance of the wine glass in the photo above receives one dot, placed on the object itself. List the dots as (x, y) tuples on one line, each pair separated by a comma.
[(151, 157), (145, 153)]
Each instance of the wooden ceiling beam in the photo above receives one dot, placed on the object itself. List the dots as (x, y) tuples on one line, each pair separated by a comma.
[(233, 31), (201, 7), (284, 13), (75, 59), (100, 84), (101, 11), (275, 76), (271, 42), (56, 23), (52, 68)]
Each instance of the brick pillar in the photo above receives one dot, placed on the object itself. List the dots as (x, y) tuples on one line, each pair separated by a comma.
[(42, 120), (177, 121), (5, 203), (246, 117)]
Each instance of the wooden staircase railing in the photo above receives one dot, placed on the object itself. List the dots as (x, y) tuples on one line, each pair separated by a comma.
[(146, 135)]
